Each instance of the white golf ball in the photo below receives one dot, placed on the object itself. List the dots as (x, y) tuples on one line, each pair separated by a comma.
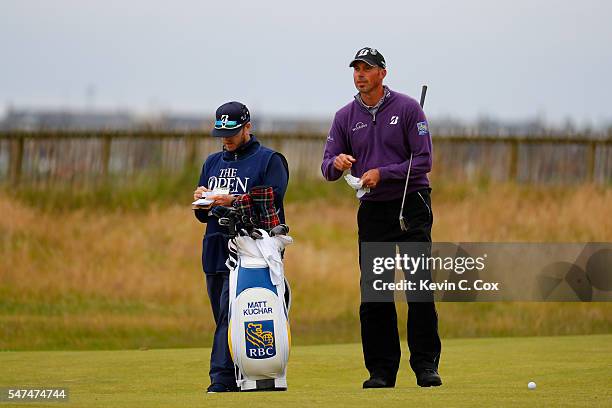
[(531, 385)]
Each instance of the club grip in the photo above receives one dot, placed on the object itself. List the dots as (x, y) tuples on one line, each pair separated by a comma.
[(423, 92)]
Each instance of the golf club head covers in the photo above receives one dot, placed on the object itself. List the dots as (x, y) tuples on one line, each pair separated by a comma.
[(221, 212), (244, 205), (263, 203), (281, 229)]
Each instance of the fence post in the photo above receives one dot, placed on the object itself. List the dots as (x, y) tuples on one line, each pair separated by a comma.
[(16, 160), (190, 150), (590, 161), (106, 153), (513, 164)]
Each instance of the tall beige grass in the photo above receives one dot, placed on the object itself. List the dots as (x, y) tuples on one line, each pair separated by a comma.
[(123, 272)]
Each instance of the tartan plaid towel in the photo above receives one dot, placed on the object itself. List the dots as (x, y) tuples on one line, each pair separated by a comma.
[(263, 203)]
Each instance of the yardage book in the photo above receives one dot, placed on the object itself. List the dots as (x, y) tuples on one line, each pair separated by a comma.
[(204, 202)]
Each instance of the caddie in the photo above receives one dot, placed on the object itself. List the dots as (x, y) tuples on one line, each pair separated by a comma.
[(242, 164)]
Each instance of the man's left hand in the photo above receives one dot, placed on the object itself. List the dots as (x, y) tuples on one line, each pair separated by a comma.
[(370, 178), (224, 200)]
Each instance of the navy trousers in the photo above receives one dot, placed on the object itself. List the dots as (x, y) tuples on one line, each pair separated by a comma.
[(221, 364)]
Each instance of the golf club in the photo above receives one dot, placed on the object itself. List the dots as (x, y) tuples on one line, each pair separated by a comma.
[(402, 220)]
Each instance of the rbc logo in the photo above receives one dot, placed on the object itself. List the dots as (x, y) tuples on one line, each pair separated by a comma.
[(422, 128), (260, 339)]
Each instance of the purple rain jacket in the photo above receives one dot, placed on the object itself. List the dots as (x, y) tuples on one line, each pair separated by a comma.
[(383, 140)]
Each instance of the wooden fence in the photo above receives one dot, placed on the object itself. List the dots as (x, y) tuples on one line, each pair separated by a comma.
[(85, 158)]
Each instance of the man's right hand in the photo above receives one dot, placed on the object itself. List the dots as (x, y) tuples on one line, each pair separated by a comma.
[(344, 161), (197, 194)]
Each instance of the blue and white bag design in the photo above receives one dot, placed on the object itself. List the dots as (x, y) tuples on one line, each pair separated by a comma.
[(259, 335)]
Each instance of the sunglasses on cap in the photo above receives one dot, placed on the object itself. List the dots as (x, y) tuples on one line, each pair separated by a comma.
[(226, 124)]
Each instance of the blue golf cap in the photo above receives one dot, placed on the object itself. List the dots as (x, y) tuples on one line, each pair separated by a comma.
[(229, 119)]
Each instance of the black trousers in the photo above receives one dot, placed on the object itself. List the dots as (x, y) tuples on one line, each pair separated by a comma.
[(378, 222)]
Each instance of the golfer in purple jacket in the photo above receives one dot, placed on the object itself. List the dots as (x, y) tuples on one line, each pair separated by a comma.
[(373, 136)]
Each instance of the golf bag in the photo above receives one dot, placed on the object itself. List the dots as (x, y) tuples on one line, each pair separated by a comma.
[(258, 331)]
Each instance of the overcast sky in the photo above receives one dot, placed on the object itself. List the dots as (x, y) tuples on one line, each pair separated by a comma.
[(510, 59)]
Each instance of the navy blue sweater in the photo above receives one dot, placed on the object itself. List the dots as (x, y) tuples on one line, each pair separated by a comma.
[(248, 166)]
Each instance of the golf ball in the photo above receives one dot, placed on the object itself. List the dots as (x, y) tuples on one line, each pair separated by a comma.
[(531, 385)]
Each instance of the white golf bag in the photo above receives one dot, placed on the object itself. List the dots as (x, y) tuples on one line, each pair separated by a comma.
[(260, 298)]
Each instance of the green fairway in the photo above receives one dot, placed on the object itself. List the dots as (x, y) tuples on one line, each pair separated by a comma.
[(568, 370)]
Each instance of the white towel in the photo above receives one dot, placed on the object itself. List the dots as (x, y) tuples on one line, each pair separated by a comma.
[(271, 250), (356, 183)]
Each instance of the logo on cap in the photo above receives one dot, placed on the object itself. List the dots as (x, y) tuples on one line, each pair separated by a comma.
[(245, 113), (370, 56), (229, 119)]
